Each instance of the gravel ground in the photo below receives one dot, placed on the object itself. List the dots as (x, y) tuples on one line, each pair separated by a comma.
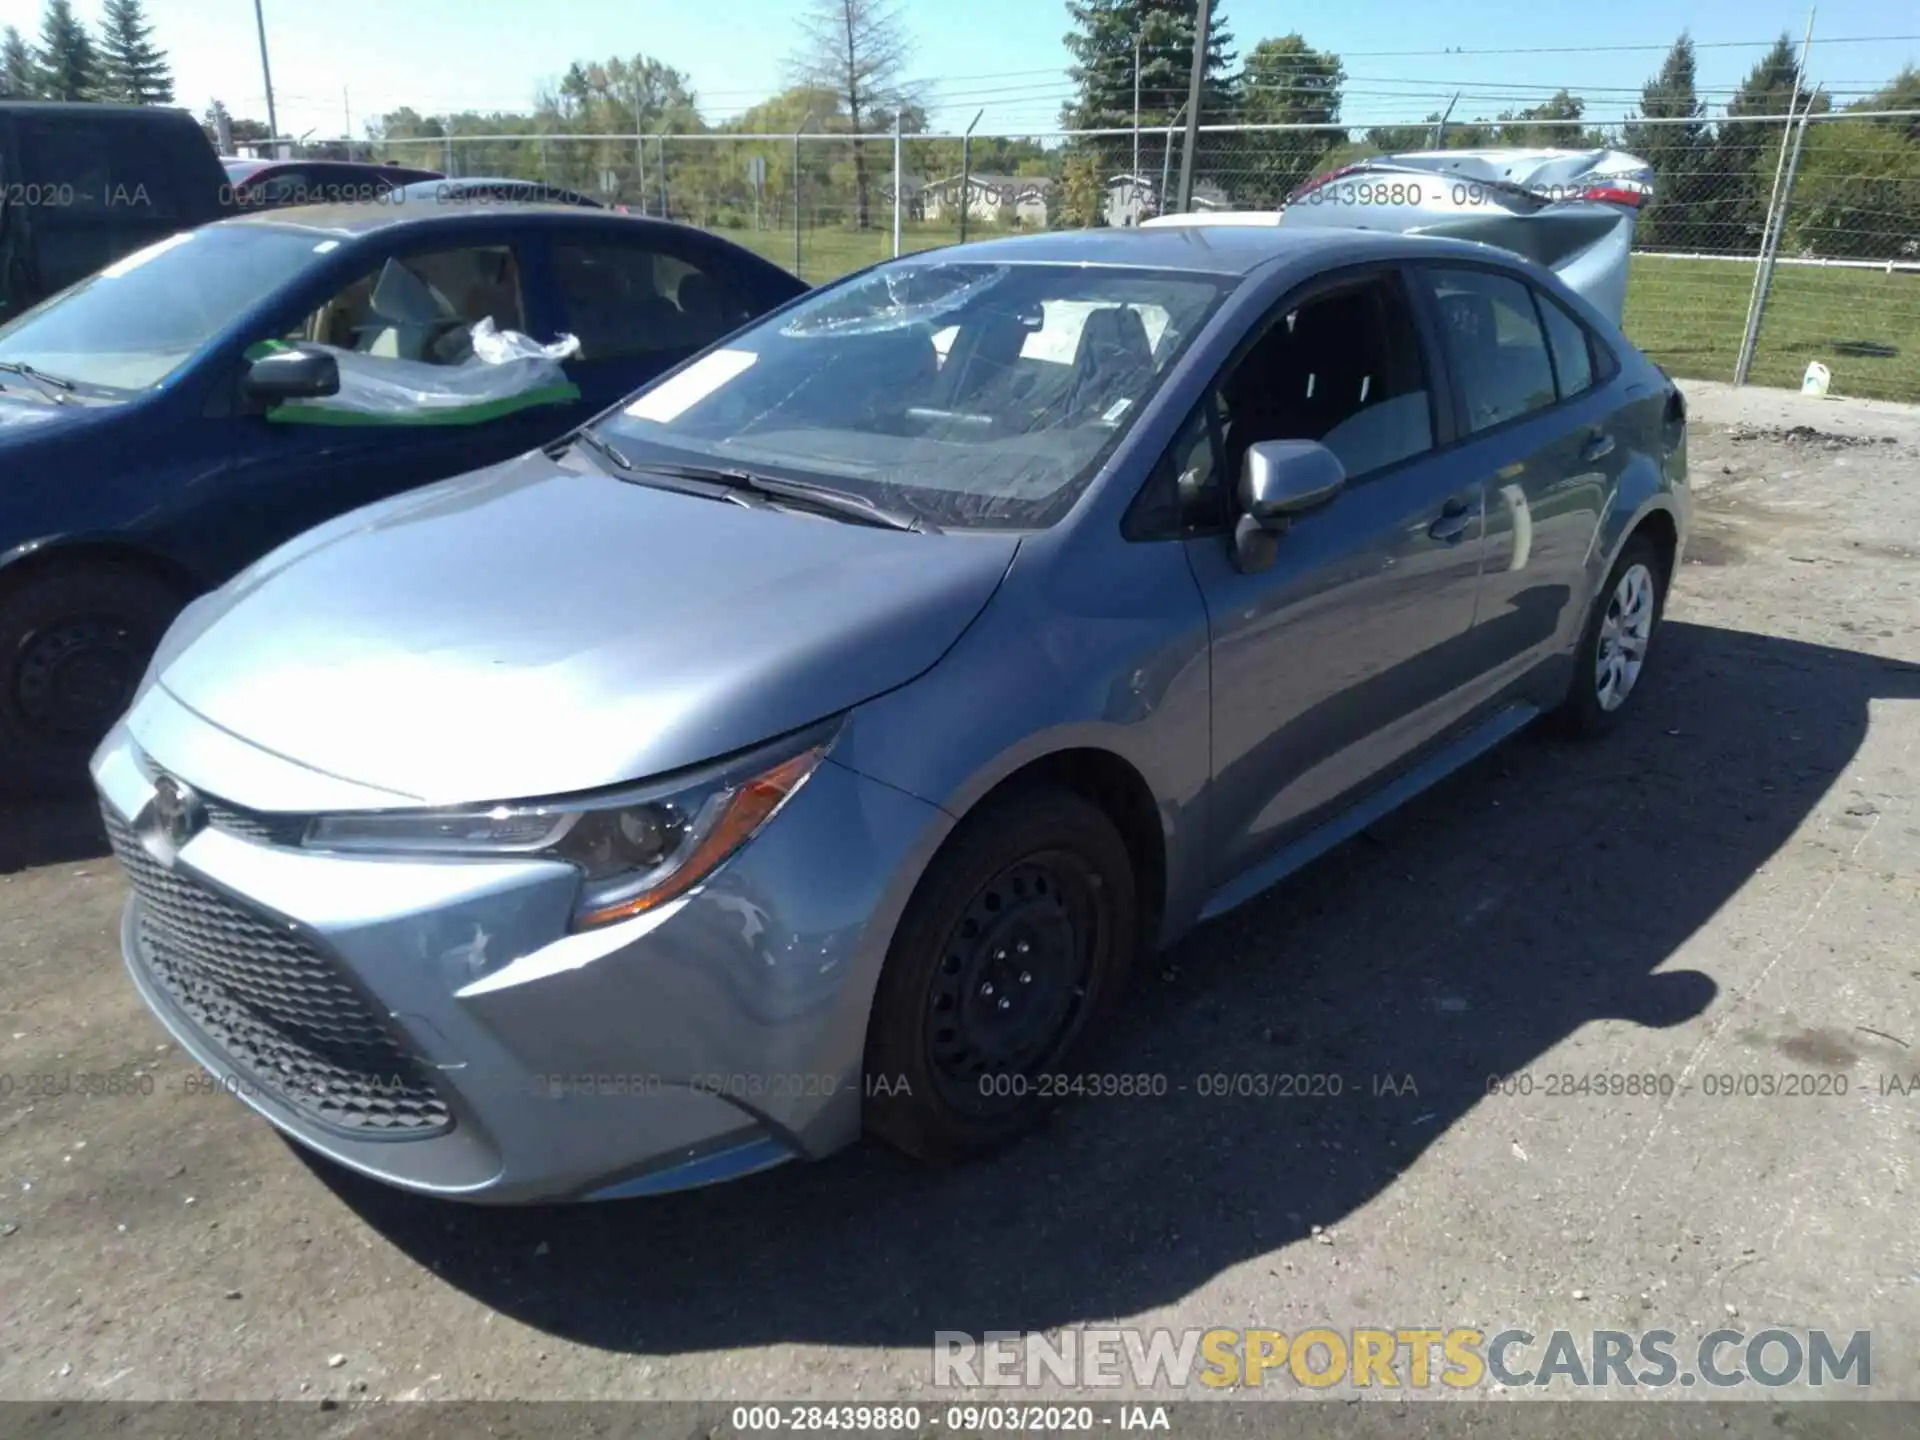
[(1728, 887)]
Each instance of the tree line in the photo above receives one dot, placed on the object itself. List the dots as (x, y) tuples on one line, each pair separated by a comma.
[(70, 62), (1857, 191)]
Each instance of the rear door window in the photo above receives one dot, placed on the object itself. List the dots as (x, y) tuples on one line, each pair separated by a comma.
[(1572, 347), (1501, 365), (628, 299)]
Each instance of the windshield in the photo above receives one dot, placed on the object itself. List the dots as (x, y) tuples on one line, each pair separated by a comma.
[(131, 325), (967, 394)]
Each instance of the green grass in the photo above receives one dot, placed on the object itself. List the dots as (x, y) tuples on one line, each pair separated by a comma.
[(1863, 325), (830, 251)]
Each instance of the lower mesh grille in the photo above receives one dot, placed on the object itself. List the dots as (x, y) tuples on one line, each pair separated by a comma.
[(274, 1004)]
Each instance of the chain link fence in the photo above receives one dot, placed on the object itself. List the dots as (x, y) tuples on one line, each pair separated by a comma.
[(1804, 232)]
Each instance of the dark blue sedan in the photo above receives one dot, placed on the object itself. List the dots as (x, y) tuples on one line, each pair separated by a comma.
[(144, 451)]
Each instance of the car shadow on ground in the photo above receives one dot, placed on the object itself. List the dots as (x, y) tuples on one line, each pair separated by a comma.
[(49, 832), (1547, 888)]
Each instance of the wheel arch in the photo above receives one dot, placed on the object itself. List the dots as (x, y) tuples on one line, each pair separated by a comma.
[(38, 557)]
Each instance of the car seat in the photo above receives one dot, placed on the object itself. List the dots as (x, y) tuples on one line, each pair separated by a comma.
[(1113, 356)]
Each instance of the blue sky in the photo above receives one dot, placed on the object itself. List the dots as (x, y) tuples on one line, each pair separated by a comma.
[(1006, 56)]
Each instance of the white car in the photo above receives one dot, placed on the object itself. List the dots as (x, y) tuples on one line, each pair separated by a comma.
[(1570, 210)]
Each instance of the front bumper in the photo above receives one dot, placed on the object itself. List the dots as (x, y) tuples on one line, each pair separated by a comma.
[(434, 1024)]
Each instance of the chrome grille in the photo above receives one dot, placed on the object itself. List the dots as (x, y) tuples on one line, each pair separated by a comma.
[(254, 825), (274, 1004)]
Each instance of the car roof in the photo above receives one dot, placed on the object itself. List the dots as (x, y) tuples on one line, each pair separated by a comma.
[(318, 164), (1236, 250), (466, 181), (98, 110), (369, 217)]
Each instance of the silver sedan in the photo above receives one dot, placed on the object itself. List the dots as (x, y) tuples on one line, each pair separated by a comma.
[(813, 742)]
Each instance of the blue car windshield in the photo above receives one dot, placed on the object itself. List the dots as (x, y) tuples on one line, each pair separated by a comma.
[(131, 325), (971, 394)]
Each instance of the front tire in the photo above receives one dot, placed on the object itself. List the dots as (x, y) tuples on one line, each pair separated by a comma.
[(1613, 653), (74, 641), (1006, 966)]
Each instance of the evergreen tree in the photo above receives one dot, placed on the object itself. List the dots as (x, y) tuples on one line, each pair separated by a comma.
[(1102, 46), (1679, 153), (1286, 82), (65, 57), (1520, 127), (132, 68), (19, 79), (1745, 154)]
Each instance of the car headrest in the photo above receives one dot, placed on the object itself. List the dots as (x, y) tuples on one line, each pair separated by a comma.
[(700, 301), (1114, 336)]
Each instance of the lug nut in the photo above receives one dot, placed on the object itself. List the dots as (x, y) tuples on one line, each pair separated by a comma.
[(987, 989), (1026, 977), (1005, 1004)]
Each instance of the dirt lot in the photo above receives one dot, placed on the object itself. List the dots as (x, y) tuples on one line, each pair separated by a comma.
[(1730, 887)]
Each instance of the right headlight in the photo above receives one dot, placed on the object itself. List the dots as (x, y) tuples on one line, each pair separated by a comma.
[(636, 848)]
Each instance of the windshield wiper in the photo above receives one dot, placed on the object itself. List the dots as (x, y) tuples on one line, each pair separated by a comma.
[(625, 469), (57, 386), (605, 449), (800, 492)]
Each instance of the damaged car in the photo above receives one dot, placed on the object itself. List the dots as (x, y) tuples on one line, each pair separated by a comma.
[(813, 744)]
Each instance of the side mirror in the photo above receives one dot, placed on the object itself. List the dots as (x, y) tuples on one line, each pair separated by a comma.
[(298, 374), (1278, 480)]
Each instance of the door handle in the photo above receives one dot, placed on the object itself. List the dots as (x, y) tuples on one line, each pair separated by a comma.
[(1599, 445), (1456, 517)]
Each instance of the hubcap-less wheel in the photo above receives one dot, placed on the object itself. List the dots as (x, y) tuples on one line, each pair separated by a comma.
[(72, 679), (1008, 994), (1625, 631)]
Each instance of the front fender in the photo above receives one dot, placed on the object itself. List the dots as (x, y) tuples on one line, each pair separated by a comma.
[(1069, 655), (105, 546)]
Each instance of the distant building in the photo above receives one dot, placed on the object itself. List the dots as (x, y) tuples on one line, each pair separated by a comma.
[(1133, 198), (1026, 200), (913, 191)]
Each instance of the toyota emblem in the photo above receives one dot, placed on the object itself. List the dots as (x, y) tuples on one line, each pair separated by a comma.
[(176, 812)]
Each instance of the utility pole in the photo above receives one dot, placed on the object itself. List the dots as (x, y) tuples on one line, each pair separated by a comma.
[(639, 153), (1201, 23), (1756, 299), (1166, 161), (1135, 187), (966, 174), (266, 74), (805, 121), (346, 111), (899, 182)]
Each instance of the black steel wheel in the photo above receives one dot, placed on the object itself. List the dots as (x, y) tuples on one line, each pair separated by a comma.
[(74, 640), (1005, 967)]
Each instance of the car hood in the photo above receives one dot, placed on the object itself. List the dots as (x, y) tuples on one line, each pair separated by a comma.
[(536, 629), (27, 417)]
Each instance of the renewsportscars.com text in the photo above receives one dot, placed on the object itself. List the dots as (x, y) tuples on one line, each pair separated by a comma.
[(1415, 1358)]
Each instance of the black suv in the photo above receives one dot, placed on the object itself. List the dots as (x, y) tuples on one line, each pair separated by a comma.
[(83, 185)]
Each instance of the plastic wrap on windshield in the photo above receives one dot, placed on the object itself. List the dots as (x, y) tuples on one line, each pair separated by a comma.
[(501, 372), (896, 300)]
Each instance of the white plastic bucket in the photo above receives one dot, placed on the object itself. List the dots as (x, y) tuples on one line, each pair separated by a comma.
[(1816, 380)]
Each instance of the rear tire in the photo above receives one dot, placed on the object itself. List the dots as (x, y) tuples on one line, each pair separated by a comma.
[(1610, 665), (74, 641), (1006, 967)]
